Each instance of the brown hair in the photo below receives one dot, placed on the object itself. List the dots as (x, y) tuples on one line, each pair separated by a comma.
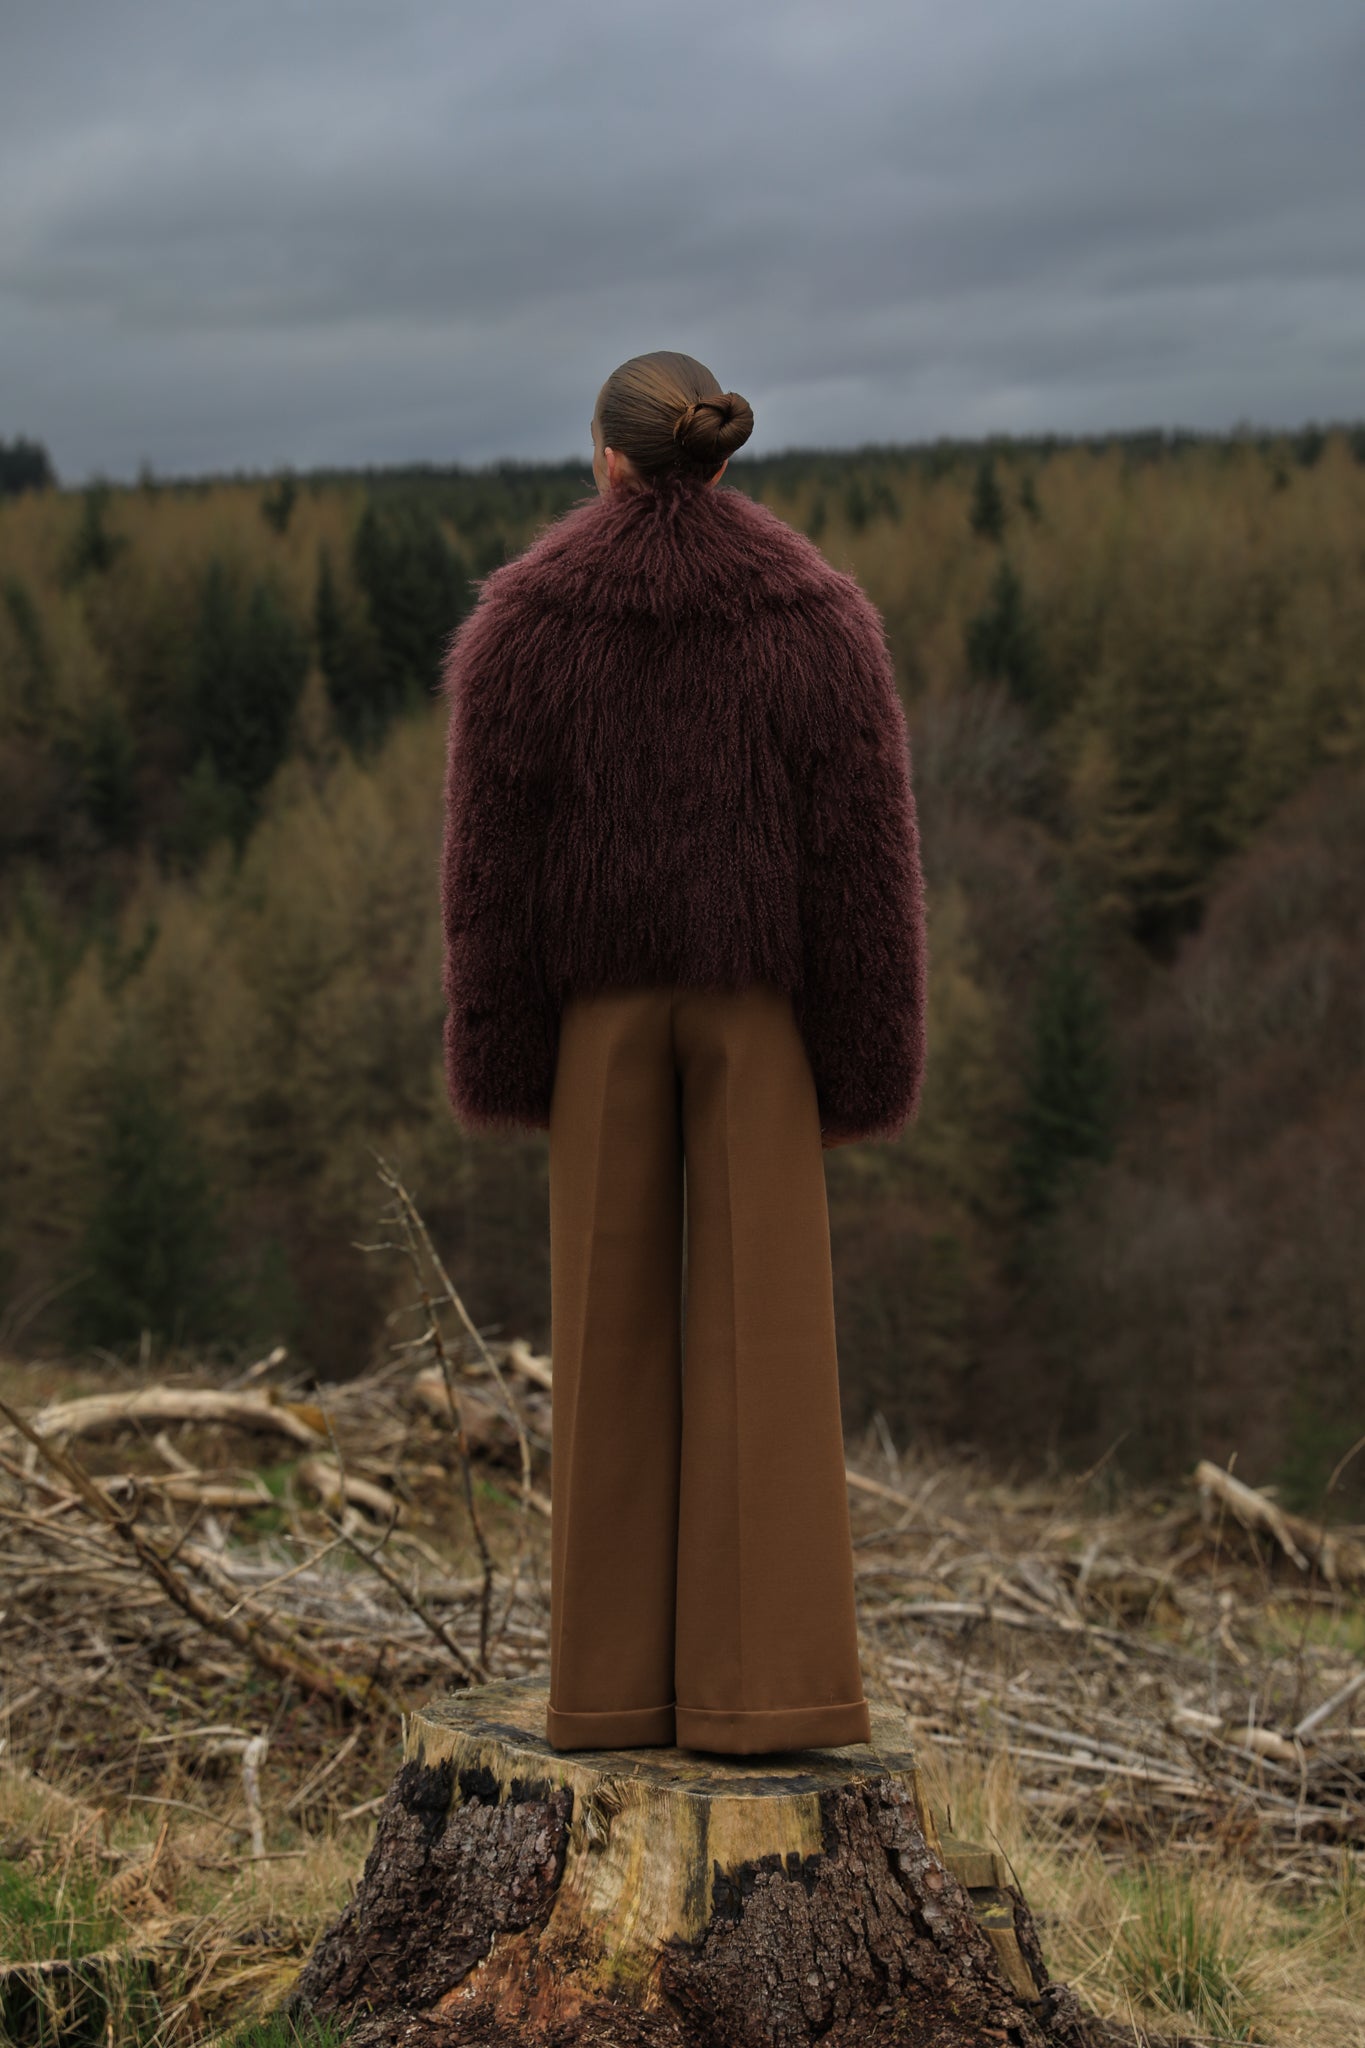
[(669, 416)]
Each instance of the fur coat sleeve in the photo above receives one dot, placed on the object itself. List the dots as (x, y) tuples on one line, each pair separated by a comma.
[(861, 1005), (500, 1027)]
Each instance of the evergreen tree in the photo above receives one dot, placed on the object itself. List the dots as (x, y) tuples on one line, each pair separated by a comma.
[(416, 588), (1002, 641), (278, 504), (1173, 720), (250, 663), (857, 510), (208, 809), (24, 466), (350, 659), (1309, 444), (1068, 1114), (988, 501), (148, 1254), (35, 669), (108, 772), (93, 549), (328, 626)]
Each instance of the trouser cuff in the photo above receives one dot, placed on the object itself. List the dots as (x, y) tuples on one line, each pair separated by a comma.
[(619, 1728), (823, 1727)]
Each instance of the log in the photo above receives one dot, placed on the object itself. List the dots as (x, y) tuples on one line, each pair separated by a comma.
[(671, 1897), (486, 1425), (93, 1414), (1340, 1560), (323, 1476)]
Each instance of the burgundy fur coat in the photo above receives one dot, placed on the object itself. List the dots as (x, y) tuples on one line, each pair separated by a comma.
[(676, 754)]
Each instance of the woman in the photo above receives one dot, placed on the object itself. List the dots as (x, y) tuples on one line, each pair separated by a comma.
[(684, 929)]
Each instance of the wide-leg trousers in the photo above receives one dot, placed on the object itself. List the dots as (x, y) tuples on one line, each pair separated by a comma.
[(701, 1587)]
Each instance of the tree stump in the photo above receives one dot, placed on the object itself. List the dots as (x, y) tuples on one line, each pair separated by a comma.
[(518, 1893)]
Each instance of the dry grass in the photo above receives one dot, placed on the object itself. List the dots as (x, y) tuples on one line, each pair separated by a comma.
[(1174, 1947), (149, 1927)]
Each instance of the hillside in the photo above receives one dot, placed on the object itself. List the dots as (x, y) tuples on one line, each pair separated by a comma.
[(1126, 1222)]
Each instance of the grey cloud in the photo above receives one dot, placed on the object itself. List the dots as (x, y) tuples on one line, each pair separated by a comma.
[(303, 233)]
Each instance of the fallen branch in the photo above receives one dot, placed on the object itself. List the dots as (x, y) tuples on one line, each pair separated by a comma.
[(1340, 1561), (1311, 1722), (470, 1666), (324, 1477), (92, 1414)]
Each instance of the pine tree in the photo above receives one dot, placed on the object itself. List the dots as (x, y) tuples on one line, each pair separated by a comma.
[(93, 549), (1002, 641), (32, 698), (1308, 444), (988, 502), (857, 509), (109, 772), (277, 505), (250, 662), (24, 466), (350, 659), (1173, 719), (416, 588), (1068, 1114), (209, 809), (148, 1254)]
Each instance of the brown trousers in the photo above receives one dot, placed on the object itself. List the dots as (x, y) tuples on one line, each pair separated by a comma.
[(701, 1588)]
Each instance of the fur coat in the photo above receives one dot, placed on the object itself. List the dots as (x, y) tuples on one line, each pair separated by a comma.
[(676, 754)]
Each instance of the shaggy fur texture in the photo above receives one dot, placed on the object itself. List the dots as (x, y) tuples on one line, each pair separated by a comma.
[(676, 754)]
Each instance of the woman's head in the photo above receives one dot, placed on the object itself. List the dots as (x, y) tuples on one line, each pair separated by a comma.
[(664, 414)]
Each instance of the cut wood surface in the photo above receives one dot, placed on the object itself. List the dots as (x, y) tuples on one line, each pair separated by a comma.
[(514, 1892)]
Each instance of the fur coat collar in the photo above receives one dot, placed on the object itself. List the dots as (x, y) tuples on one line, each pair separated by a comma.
[(674, 549)]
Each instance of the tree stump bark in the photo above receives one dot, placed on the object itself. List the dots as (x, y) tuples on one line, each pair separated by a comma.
[(666, 1898)]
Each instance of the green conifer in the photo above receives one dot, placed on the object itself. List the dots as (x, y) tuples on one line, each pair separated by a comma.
[(988, 501), (1002, 640), (250, 662), (148, 1254), (1068, 1114)]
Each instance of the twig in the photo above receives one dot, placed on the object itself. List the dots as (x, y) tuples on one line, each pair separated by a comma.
[(469, 1665), (415, 1232), (1320, 1714)]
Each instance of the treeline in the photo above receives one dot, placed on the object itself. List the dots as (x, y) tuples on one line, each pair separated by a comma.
[(154, 653), (1135, 676)]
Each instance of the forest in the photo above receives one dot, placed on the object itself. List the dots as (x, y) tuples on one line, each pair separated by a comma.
[(1126, 1225)]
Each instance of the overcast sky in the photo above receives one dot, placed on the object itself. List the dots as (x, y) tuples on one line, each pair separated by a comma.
[(262, 232)]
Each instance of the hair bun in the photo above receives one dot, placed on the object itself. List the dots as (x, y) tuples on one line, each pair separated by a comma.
[(708, 428)]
